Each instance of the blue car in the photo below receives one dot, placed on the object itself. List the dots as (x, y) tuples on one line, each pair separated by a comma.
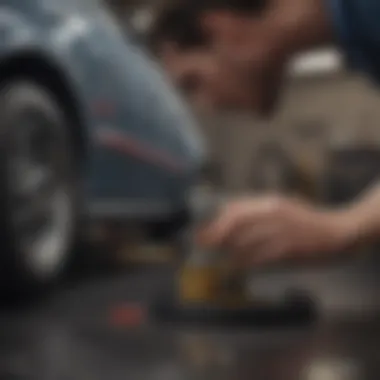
[(91, 130)]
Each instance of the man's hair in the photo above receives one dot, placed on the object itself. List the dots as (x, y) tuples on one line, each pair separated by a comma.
[(179, 22)]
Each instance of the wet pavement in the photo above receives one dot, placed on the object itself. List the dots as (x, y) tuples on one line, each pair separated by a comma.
[(90, 330)]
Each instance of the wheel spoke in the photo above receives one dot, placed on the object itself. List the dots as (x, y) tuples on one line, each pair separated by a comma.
[(33, 210), (40, 208), (29, 178)]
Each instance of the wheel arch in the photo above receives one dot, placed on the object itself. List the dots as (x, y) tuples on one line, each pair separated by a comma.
[(31, 65)]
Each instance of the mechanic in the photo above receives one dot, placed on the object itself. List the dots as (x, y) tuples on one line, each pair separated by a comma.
[(234, 54)]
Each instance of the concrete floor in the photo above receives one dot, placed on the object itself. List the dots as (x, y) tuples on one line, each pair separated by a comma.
[(352, 288), (75, 334)]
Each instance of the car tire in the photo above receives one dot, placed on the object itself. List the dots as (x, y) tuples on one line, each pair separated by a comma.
[(38, 189)]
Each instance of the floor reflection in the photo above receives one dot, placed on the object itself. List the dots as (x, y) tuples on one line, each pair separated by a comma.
[(69, 337)]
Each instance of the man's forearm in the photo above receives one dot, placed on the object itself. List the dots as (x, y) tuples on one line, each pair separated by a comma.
[(363, 216)]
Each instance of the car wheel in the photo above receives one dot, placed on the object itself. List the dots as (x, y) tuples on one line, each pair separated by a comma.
[(38, 188)]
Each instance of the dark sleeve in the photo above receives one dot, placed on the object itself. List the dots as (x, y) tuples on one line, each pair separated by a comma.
[(357, 27)]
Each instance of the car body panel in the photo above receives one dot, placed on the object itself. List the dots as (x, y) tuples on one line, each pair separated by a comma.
[(143, 149)]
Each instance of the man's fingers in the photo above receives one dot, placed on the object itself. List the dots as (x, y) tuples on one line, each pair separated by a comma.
[(274, 251), (233, 217), (261, 245), (228, 219), (249, 238)]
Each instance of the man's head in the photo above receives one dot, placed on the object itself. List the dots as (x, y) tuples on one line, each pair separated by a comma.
[(208, 47), (229, 53)]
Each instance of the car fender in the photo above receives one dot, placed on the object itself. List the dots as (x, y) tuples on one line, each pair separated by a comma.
[(114, 81)]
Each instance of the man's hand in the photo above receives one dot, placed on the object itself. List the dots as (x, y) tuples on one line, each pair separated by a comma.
[(273, 229)]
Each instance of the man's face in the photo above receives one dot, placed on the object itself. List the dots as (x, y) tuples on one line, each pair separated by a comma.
[(199, 75), (233, 71)]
